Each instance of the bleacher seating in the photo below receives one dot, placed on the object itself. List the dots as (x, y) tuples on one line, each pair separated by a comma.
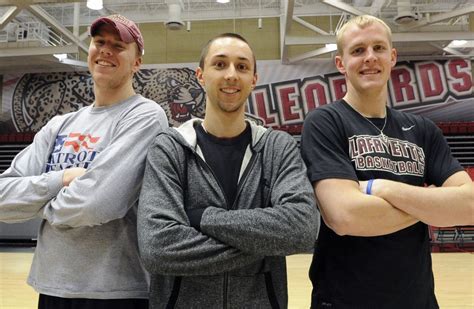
[(456, 238)]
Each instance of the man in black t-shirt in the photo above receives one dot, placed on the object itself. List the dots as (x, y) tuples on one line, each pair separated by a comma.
[(368, 165)]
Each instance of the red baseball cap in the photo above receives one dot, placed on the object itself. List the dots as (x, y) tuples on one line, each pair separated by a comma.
[(127, 29)]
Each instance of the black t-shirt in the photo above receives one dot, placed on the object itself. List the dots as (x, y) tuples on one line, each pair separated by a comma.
[(224, 156), (389, 271)]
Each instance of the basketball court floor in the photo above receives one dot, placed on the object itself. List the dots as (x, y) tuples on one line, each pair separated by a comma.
[(454, 280)]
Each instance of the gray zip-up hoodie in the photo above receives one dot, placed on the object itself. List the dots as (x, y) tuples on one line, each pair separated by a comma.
[(237, 259)]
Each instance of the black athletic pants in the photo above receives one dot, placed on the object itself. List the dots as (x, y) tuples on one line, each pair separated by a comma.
[(51, 302)]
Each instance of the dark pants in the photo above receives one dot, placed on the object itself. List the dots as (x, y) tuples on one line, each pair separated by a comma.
[(51, 302)]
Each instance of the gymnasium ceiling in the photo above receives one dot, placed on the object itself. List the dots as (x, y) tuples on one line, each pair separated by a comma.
[(422, 28)]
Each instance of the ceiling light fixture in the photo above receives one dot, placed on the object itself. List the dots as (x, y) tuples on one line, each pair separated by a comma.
[(222, 1), (95, 4), (60, 57), (458, 42), (174, 21), (331, 46)]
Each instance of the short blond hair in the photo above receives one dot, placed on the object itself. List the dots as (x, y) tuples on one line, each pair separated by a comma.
[(361, 21)]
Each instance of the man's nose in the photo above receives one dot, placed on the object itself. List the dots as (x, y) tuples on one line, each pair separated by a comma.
[(370, 55), (231, 73), (105, 49)]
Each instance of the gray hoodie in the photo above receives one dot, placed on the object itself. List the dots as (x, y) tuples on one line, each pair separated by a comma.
[(237, 260)]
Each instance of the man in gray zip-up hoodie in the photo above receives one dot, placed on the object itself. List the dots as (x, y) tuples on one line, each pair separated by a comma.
[(223, 200)]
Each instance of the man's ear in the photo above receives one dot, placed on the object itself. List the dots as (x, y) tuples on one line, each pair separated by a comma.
[(394, 57), (199, 76), (254, 80), (339, 64), (137, 64)]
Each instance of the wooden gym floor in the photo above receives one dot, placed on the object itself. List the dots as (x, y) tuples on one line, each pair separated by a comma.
[(454, 280)]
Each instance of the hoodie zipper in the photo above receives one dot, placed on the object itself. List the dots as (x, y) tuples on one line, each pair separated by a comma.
[(226, 287), (243, 180), (226, 274), (239, 189)]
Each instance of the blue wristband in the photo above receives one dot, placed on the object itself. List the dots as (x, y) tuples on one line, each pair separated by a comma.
[(368, 190)]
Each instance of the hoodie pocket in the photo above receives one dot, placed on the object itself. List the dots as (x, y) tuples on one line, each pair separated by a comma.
[(253, 292), (198, 292)]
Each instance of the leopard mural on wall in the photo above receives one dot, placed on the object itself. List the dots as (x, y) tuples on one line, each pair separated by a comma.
[(176, 90), (39, 97)]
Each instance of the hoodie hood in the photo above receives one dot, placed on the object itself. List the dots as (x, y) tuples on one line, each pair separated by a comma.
[(185, 134)]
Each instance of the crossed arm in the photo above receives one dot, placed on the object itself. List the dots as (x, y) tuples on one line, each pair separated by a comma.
[(348, 211), (289, 226), (393, 206), (449, 205)]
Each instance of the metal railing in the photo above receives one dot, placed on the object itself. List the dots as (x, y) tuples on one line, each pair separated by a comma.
[(36, 31)]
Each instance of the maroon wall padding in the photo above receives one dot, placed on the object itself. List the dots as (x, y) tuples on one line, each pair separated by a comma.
[(456, 128), (470, 171), (16, 138)]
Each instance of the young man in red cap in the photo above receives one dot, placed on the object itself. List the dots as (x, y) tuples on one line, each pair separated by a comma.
[(82, 175)]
